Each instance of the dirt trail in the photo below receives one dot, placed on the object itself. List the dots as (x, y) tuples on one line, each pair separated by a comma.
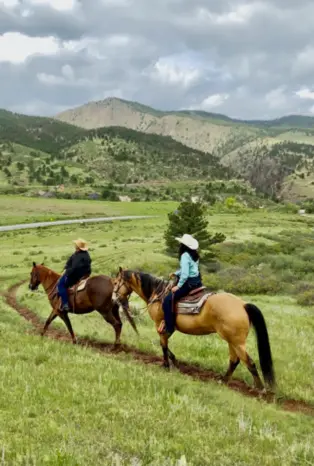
[(191, 370)]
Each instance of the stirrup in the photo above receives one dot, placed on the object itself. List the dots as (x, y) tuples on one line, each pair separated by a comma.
[(62, 309)]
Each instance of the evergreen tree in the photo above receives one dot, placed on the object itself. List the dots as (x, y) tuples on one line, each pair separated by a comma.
[(190, 218)]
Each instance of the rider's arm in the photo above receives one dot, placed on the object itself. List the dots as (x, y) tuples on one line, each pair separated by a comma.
[(184, 271), (68, 264), (72, 264)]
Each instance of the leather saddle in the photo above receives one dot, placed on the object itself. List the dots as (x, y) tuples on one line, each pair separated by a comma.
[(194, 296), (193, 302), (80, 286)]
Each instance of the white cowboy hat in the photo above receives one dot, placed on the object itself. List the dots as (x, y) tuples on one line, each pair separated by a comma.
[(188, 241), (81, 244)]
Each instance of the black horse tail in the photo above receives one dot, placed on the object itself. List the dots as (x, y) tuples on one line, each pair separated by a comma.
[(265, 358)]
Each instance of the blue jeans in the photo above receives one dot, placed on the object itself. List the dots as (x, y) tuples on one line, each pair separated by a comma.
[(172, 298), (63, 290)]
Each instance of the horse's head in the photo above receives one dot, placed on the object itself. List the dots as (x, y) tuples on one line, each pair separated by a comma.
[(121, 288), (35, 277)]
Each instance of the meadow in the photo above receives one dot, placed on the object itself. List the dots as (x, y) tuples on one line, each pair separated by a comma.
[(20, 209), (72, 405)]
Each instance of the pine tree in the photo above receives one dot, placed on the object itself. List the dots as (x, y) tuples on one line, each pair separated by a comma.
[(190, 218)]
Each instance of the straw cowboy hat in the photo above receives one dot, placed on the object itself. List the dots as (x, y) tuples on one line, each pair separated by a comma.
[(188, 241), (81, 244)]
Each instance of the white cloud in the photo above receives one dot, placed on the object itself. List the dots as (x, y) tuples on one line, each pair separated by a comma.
[(116, 3), (246, 58), (61, 5), (305, 93), (9, 3), (303, 62), (16, 47), (66, 78), (240, 14), (51, 79), (276, 98), (170, 73), (118, 40), (213, 101)]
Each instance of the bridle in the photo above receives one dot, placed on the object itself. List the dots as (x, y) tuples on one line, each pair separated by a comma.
[(34, 287), (118, 287), (37, 283)]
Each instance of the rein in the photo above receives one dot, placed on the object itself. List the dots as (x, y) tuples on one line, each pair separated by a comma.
[(158, 295), (52, 293), (161, 294)]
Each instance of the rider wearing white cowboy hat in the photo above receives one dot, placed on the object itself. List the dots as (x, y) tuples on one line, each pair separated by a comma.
[(189, 278)]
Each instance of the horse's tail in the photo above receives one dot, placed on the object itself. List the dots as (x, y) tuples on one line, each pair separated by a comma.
[(265, 358), (126, 311)]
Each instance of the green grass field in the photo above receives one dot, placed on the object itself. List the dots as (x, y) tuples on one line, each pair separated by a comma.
[(18, 209), (67, 405)]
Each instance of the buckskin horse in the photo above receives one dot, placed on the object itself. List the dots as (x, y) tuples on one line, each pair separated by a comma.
[(90, 294), (202, 313)]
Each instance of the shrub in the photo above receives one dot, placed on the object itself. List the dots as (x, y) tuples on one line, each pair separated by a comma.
[(190, 218), (239, 280)]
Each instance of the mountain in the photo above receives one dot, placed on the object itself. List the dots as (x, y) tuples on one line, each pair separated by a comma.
[(37, 151), (39, 133), (192, 129), (201, 130), (259, 150)]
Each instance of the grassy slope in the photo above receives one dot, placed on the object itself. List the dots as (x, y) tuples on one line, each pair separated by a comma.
[(69, 406)]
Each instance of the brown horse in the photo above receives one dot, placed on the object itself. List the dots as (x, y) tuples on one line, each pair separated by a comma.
[(96, 295), (221, 313)]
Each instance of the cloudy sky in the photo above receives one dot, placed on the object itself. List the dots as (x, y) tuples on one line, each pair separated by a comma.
[(247, 59)]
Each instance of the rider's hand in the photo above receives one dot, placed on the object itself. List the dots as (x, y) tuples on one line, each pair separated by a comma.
[(174, 289)]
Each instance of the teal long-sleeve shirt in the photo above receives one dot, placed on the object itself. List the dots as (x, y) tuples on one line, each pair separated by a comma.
[(188, 269)]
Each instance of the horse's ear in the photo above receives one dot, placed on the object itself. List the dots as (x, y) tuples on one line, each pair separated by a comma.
[(34, 264), (120, 269), (42, 263)]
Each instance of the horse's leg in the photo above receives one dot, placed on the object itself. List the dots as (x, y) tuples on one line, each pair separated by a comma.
[(64, 316), (50, 319), (172, 357), (116, 324), (233, 363), (250, 364), (116, 315), (165, 350)]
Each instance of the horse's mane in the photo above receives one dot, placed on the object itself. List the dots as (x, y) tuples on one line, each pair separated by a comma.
[(149, 283), (47, 269)]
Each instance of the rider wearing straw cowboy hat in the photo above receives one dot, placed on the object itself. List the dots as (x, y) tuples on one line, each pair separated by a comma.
[(77, 267), (189, 279)]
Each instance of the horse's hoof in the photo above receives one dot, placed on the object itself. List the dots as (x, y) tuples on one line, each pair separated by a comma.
[(116, 347), (260, 388), (74, 342), (166, 366)]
